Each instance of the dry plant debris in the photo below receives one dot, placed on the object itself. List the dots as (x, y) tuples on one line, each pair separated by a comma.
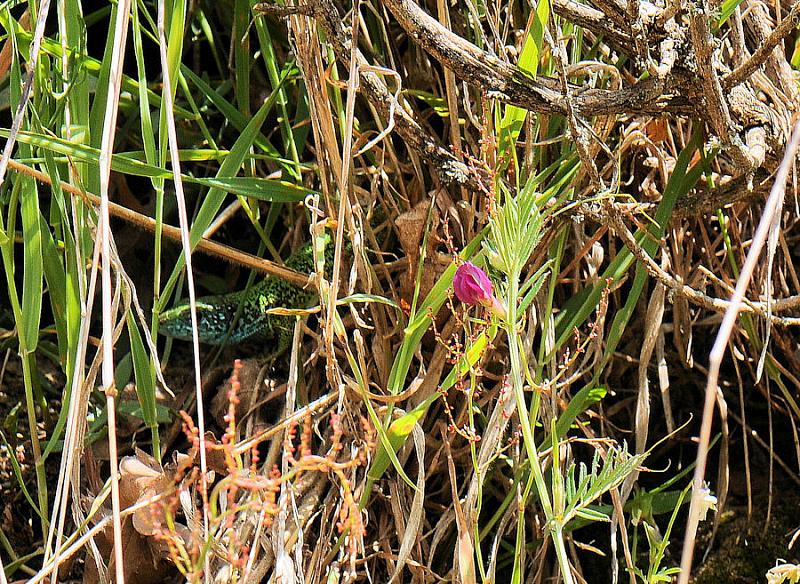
[(536, 215)]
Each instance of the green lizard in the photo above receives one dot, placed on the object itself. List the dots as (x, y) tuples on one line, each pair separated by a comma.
[(216, 314)]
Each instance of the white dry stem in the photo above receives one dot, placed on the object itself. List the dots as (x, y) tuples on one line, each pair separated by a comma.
[(187, 252), (390, 117), (771, 210), (78, 427), (36, 43), (86, 302), (663, 382), (104, 163), (772, 246), (280, 535), (464, 553), (76, 417), (652, 328), (76, 545), (290, 400), (344, 185), (82, 382), (490, 446), (655, 314)]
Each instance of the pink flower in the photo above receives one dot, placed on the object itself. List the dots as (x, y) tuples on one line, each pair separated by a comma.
[(472, 286)]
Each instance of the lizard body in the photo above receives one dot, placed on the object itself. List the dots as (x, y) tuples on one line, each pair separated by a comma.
[(216, 314)]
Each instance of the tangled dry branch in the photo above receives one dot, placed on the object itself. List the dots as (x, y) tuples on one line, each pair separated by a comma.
[(684, 75)]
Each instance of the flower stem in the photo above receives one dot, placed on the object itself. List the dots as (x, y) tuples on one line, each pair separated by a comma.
[(517, 383), (561, 553)]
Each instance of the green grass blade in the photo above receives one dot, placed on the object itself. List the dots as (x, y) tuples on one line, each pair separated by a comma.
[(241, 54), (398, 432), (146, 122), (255, 187), (578, 308), (400, 429), (19, 476), (417, 327), (272, 190), (293, 142), (581, 402), (145, 386), (513, 116), (32, 279), (384, 442), (233, 115), (726, 10), (216, 196), (471, 357), (56, 278), (92, 67)]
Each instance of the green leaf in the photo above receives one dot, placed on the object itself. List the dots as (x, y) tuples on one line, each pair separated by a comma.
[(263, 189), (513, 116), (56, 287), (122, 371), (398, 432), (726, 10), (130, 163), (590, 514), (471, 357), (533, 285), (145, 388), (419, 324), (438, 104), (32, 280), (229, 168), (401, 428), (582, 401), (235, 117)]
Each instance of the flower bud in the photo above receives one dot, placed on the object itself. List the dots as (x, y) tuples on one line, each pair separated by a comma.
[(472, 286)]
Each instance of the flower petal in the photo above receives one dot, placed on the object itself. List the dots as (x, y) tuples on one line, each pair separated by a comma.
[(472, 285)]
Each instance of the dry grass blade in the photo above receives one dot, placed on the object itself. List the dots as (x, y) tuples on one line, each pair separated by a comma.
[(36, 45), (655, 314), (115, 79), (74, 433), (187, 254), (501, 224), (771, 210), (412, 520)]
